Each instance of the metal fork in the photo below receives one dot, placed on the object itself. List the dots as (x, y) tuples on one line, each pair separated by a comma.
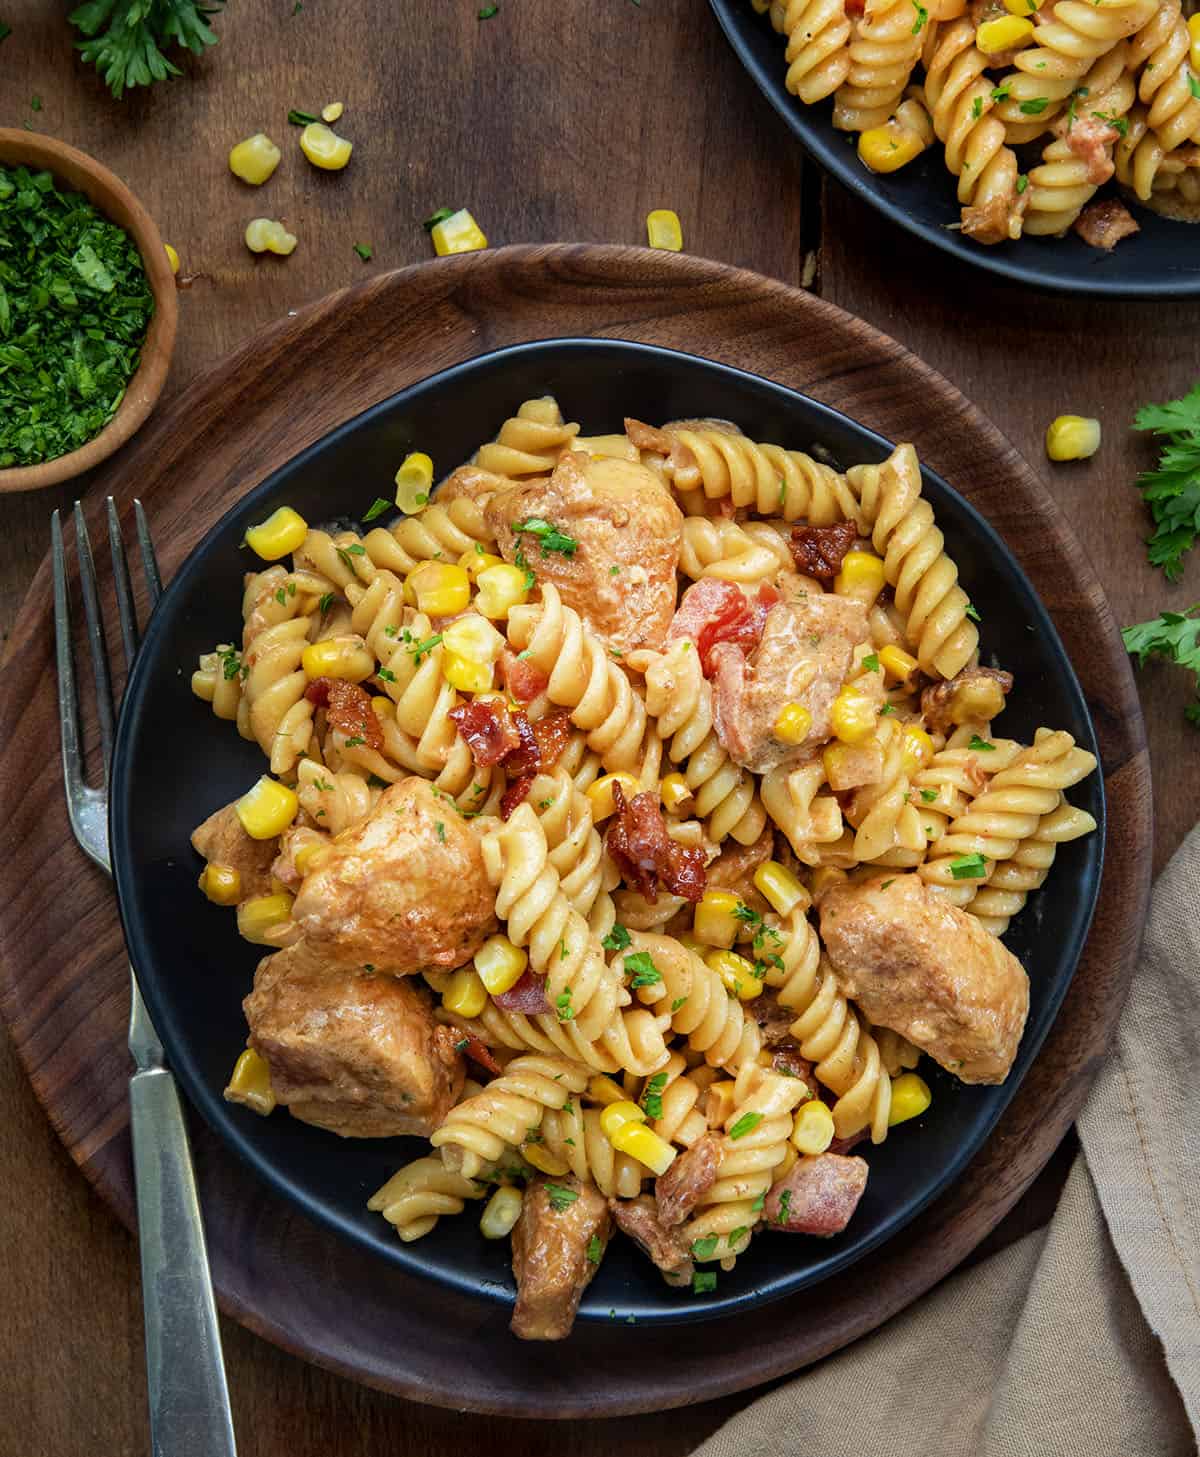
[(189, 1398)]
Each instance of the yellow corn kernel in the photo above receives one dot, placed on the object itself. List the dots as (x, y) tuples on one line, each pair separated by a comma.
[(812, 1127), (663, 230), (603, 800), (254, 159), (250, 1084), (719, 1103), (910, 1098), (500, 964), (1194, 53), (601, 1089), (737, 973), (473, 562), (465, 994), (1072, 437), (918, 748), (675, 792), (222, 884), (172, 257), (332, 112), (889, 147), (1022, 7), (323, 148), (501, 588), (861, 577), (898, 666), (544, 1160), (853, 716), (1008, 33), (414, 481), (500, 1213), (459, 233), (780, 887), (793, 724), (474, 638), (265, 235), (643, 1144), (261, 914), (338, 657), (442, 589), (305, 859), (384, 708), (823, 877), (466, 676), (267, 808), (279, 535), (617, 1115), (715, 922)]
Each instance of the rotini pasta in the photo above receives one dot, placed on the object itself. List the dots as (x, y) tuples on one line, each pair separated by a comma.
[(478, 1131)]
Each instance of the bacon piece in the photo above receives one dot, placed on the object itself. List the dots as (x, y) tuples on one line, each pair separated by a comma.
[(844, 1145), (817, 1195), (715, 611), (527, 995), (647, 437), (526, 758), (487, 729), (1104, 224), (668, 1248), (818, 550), (478, 1051), (348, 707), (553, 734), (709, 597), (690, 1177), (1090, 138), (516, 792), (523, 679), (645, 853)]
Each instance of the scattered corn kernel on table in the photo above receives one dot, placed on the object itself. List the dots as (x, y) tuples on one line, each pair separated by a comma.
[(549, 122)]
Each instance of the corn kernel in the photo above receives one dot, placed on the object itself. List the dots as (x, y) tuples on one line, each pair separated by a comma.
[(910, 1098), (305, 859), (443, 590), (853, 716), (601, 795), (812, 1127), (500, 964), (601, 1089), (473, 562), (414, 481), (222, 884), (1072, 437), (1022, 7), (282, 533), (793, 724), (544, 1160), (676, 794), (616, 1115), (1008, 33), (715, 922), (898, 666), (889, 147), (501, 588), (1194, 53), (780, 887), (383, 708), (466, 676), (860, 577), (267, 808), (254, 159), (332, 112), (474, 638), (465, 994), (323, 148), (719, 1103), (338, 657), (459, 233), (265, 235), (500, 1213), (262, 914), (918, 748), (250, 1084), (172, 257), (643, 1144), (737, 974), (663, 230)]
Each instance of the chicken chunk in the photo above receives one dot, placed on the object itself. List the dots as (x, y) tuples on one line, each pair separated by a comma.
[(553, 1256), (357, 1053), (818, 1195), (638, 1218), (929, 971), (976, 695), (222, 841), (804, 657), (473, 482), (402, 891), (690, 1177), (612, 547)]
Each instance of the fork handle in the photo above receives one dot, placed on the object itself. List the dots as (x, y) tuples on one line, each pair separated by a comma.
[(189, 1399)]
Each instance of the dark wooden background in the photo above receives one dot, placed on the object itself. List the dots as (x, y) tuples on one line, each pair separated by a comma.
[(551, 121)]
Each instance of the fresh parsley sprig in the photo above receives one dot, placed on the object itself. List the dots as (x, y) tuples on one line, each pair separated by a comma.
[(1173, 490), (125, 38), (1172, 635)]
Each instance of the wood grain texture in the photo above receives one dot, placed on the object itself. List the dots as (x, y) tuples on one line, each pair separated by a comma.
[(63, 990)]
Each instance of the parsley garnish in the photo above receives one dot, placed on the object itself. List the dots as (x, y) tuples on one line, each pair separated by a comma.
[(302, 118), (1172, 491), (1022, 183), (677, 1003), (5, 30), (560, 1198), (614, 571), (386, 674), (747, 1123), (364, 251), (785, 1200), (1001, 92), (886, 883), (125, 40), (421, 650), (441, 831), (462, 1044), (1171, 636), (705, 1248), (231, 663), (736, 1234), (377, 507), (645, 973), (1193, 85), (756, 1207), (922, 17), (1035, 107), (929, 795), (1118, 123), (652, 1097), (562, 1006), (1079, 91), (595, 1250), (323, 785), (440, 216), (703, 1281), (355, 741), (968, 867), (972, 613), (977, 108), (488, 11), (871, 662), (981, 745), (886, 709), (617, 939), (548, 536)]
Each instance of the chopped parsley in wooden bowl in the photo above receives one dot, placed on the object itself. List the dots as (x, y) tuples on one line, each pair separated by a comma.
[(87, 312)]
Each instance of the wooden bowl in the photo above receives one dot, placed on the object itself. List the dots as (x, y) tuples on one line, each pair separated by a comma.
[(109, 194)]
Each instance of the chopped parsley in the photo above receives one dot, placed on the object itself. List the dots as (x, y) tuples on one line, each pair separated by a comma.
[(1193, 85), (703, 1281), (1034, 107), (969, 867), (977, 108), (677, 1003), (1022, 183), (595, 1250), (886, 883), (785, 1200), (325, 602), (617, 939), (981, 745), (929, 795), (231, 663), (562, 1005), (364, 251), (1073, 103), (645, 973), (560, 1197), (871, 662), (421, 650), (488, 11), (355, 742), (747, 1123), (614, 571), (548, 536), (302, 118), (886, 709), (652, 1097), (1118, 123), (922, 17), (736, 1234), (386, 674), (972, 613), (756, 1207), (462, 1044), (377, 507), (346, 554), (1001, 92), (704, 1249), (441, 831), (440, 216)]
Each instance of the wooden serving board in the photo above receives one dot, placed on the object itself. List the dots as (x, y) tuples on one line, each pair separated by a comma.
[(63, 977)]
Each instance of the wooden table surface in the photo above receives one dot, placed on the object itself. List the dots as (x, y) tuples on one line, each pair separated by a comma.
[(551, 121)]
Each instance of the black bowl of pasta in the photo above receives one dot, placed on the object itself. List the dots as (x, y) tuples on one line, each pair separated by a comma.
[(175, 764), (1160, 261)]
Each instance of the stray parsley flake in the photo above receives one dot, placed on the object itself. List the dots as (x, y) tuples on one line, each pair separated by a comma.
[(595, 1250), (871, 662), (364, 251), (645, 973), (972, 613), (981, 745), (1035, 107), (441, 831), (488, 11), (617, 939), (929, 795), (548, 536), (747, 1123), (440, 216), (969, 867), (560, 1198), (562, 1006), (704, 1249), (703, 1281)]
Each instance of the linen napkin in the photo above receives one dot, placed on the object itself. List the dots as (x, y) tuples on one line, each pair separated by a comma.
[(1082, 1339)]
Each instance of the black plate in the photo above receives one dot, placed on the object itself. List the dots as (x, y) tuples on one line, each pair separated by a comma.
[(1162, 261), (175, 763)]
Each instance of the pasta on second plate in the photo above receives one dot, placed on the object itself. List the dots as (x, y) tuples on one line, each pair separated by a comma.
[(650, 777)]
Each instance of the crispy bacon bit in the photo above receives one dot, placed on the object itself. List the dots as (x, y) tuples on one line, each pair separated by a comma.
[(479, 1052), (526, 758), (496, 735), (1090, 138), (714, 611), (821, 1195), (527, 995), (553, 734), (690, 1177), (487, 729), (668, 1248), (1104, 224), (647, 437), (818, 550), (517, 791), (348, 708), (854, 8), (646, 855), (523, 679)]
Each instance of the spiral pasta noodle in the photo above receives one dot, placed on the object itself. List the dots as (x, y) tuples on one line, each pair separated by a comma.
[(1010, 884), (732, 552), (810, 820), (573, 1135), (682, 1120), (530, 442), (575, 849), (884, 47), (818, 46), (414, 1199)]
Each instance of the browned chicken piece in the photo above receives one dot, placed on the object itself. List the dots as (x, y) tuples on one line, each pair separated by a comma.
[(734, 868), (929, 971), (615, 547), (690, 1177), (1103, 224), (803, 658), (553, 1254), (817, 1195), (993, 221), (472, 481), (976, 695), (222, 841), (402, 891), (356, 1053), (638, 1218)]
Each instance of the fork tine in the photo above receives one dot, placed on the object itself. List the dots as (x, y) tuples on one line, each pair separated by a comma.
[(125, 607), (149, 560), (95, 631), (68, 702)]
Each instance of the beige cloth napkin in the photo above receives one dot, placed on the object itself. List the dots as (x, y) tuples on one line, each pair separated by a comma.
[(1083, 1339)]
